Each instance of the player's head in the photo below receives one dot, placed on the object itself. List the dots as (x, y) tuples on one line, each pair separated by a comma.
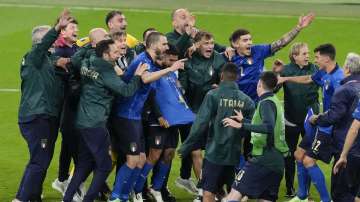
[(241, 40), (182, 18), (107, 50), (324, 55), (116, 21), (147, 32), (96, 35), (120, 41), (38, 33), (157, 44), (352, 64), (205, 43), (229, 72), (70, 32), (267, 83), (171, 56), (299, 54)]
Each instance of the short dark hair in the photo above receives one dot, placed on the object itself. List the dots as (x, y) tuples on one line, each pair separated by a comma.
[(202, 34), (237, 34), (103, 47), (269, 80), (326, 49), (116, 35), (153, 37), (229, 72), (172, 50), (111, 14), (150, 29)]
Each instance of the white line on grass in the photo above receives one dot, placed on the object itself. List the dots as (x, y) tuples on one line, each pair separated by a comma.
[(164, 11), (9, 90)]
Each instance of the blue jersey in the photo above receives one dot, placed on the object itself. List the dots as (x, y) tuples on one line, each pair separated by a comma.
[(356, 113), (328, 82), (171, 102), (132, 107), (249, 70)]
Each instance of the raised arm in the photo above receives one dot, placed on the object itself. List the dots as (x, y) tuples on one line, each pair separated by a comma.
[(304, 21)]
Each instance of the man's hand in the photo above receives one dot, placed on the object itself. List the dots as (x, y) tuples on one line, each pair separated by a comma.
[(178, 65), (341, 163), (281, 80), (191, 50), (118, 70), (64, 20), (232, 123), (306, 20), (142, 67), (62, 62), (238, 117), (229, 52), (163, 122), (313, 119), (278, 66)]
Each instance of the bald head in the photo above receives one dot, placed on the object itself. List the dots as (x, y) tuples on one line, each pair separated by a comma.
[(181, 19), (96, 35)]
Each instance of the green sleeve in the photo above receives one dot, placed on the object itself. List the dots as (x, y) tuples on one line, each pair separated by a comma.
[(201, 124), (119, 87), (250, 109), (182, 43), (219, 48), (184, 77), (78, 57), (41, 49)]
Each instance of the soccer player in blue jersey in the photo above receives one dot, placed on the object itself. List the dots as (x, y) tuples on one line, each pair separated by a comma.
[(128, 115), (328, 77)]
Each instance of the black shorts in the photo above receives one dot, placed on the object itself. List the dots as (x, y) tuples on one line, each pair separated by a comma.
[(162, 138), (306, 142), (353, 173), (184, 133), (129, 136), (321, 148), (258, 182), (214, 176)]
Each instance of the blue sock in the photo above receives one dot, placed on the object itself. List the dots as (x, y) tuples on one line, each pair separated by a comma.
[(128, 186), (139, 185), (122, 178), (317, 177), (160, 176), (302, 174)]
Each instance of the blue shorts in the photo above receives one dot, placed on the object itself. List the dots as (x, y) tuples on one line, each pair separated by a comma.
[(257, 182), (129, 136), (321, 148), (214, 176), (162, 138)]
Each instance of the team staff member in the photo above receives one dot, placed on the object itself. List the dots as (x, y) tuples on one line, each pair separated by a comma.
[(297, 99), (40, 106), (100, 82), (339, 115), (261, 176), (224, 147), (128, 116)]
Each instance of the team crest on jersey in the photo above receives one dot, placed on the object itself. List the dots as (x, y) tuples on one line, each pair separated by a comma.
[(133, 147), (43, 143), (211, 70), (327, 84), (23, 62), (157, 140)]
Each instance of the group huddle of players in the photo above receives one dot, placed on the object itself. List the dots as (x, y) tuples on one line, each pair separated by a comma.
[(122, 105)]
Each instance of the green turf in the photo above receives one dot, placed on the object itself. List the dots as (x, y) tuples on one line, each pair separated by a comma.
[(16, 24)]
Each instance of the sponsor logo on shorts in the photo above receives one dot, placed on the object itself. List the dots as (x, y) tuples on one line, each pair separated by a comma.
[(157, 140), (133, 147)]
